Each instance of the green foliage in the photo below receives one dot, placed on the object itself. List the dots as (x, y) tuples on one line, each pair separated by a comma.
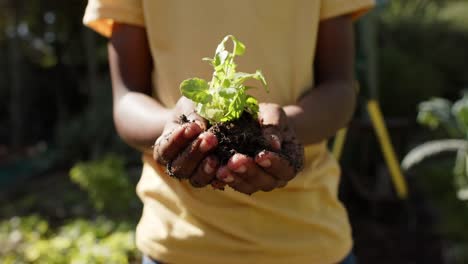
[(31, 240), (224, 98), (441, 113), (74, 231), (106, 182), (436, 113)]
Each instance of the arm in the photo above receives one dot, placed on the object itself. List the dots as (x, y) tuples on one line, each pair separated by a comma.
[(330, 105), (139, 119)]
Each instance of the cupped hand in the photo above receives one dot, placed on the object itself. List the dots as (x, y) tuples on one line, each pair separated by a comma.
[(185, 146), (268, 169)]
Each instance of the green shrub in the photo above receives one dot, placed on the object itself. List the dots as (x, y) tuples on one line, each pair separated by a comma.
[(106, 182), (30, 240), (439, 113)]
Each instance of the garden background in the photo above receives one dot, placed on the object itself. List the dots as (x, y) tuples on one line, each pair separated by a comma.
[(67, 181)]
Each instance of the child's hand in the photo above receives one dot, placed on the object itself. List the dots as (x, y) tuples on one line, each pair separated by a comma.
[(268, 170), (184, 147)]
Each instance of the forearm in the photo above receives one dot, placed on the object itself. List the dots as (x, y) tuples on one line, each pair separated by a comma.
[(322, 111), (139, 119)]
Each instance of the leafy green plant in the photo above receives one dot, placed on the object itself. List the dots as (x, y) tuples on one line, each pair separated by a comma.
[(224, 98), (106, 182), (31, 240), (453, 118)]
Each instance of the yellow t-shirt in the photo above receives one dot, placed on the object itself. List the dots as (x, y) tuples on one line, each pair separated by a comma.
[(301, 223)]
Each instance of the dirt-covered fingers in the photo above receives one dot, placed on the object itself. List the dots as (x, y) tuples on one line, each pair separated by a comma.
[(273, 136), (205, 173), (173, 141), (244, 167), (276, 165), (225, 175), (186, 163)]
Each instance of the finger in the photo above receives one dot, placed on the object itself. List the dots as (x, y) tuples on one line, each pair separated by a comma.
[(172, 143), (194, 117), (272, 134), (276, 165), (185, 164), (242, 186), (184, 112), (235, 182), (272, 114), (244, 167), (205, 172)]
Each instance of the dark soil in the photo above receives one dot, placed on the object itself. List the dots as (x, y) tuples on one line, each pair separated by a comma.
[(243, 135)]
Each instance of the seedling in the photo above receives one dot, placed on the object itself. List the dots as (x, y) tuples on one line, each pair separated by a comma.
[(224, 98)]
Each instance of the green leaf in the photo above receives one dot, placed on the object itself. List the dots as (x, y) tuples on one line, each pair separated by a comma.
[(221, 46), (236, 107), (437, 113), (252, 105), (209, 113), (259, 76), (222, 56), (196, 89), (223, 98), (228, 92), (239, 46), (241, 77)]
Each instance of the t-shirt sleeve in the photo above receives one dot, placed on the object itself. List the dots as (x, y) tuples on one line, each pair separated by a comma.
[(100, 15), (334, 8)]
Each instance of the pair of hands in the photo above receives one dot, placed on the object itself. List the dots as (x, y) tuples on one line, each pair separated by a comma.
[(185, 148)]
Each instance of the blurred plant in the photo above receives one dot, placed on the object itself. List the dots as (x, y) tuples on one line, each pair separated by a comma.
[(453, 118), (31, 240), (106, 182), (100, 239)]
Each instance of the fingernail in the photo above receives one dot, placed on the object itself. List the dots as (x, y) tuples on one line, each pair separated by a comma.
[(188, 132), (241, 169), (225, 176), (208, 168), (265, 163), (228, 179), (206, 143)]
